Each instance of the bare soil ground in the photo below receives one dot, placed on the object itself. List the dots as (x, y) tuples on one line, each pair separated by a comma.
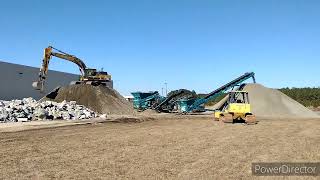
[(165, 147)]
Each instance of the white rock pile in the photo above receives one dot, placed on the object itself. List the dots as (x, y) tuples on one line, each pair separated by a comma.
[(29, 109)]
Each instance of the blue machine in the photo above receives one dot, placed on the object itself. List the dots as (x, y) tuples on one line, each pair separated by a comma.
[(192, 105), (145, 100), (170, 103), (152, 100)]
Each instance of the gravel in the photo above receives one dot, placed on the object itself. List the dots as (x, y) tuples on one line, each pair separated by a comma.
[(271, 103), (100, 99)]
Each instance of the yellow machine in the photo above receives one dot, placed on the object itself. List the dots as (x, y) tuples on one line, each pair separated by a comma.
[(237, 108), (88, 75)]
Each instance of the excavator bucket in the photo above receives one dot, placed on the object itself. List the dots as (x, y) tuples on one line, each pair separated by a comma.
[(250, 119), (37, 85)]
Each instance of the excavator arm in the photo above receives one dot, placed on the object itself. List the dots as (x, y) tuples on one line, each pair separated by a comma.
[(48, 53)]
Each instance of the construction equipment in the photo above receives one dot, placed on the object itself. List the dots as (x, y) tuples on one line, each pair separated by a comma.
[(146, 100), (153, 100), (238, 109), (170, 103), (88, 75), (195, 105)]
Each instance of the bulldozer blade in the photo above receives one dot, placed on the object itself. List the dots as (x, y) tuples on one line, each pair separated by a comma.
[(250, 119), (226, 118)]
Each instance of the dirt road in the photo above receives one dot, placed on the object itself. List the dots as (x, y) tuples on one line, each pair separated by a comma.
[(165, 148)]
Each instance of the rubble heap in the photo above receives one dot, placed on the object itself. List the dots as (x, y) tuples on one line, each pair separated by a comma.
[(29, 109)]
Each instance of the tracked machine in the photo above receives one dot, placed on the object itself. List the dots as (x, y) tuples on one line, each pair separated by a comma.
[(153, 100), (146, 100), (236, 109), (194, 105), (170, 103), (88, 75)]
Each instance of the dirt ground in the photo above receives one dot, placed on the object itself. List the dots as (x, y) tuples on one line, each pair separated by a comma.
[(175, 147)]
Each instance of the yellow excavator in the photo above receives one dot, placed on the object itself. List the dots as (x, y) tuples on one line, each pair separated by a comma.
[(236, 109), (88, 75)]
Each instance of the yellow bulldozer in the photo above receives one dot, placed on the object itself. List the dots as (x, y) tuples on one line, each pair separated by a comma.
[(237, 108)]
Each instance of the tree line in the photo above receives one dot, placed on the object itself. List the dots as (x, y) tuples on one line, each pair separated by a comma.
[(306, 96)]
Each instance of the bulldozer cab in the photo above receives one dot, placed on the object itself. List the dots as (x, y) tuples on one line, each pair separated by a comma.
[(238, 97), (238, 103), (238, 108)]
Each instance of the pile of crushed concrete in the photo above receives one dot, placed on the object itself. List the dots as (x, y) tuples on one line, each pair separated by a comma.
[(100, 99), (271, 103), (29, 109)]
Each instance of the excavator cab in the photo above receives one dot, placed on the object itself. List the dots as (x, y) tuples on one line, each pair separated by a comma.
[(94, 75), (90, 72), (238, 108)]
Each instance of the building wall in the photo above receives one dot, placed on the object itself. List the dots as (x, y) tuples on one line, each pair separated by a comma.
[(16, 81)]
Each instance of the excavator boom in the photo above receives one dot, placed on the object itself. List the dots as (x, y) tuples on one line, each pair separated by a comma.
[(48, 53), (86, 73)]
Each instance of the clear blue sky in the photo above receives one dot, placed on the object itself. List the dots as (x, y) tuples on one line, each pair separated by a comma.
[(193, 44)]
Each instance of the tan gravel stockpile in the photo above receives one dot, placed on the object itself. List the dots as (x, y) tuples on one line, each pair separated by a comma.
[(267, 102), (98, 98)]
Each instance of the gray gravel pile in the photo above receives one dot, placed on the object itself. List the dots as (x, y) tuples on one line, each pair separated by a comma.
[(29, 109), (271, 103)]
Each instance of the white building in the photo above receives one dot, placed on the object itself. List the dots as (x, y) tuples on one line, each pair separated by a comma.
[(129, 98), (16, 81)]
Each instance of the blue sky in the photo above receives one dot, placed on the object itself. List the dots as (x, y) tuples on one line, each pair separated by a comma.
[(193, 44)]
